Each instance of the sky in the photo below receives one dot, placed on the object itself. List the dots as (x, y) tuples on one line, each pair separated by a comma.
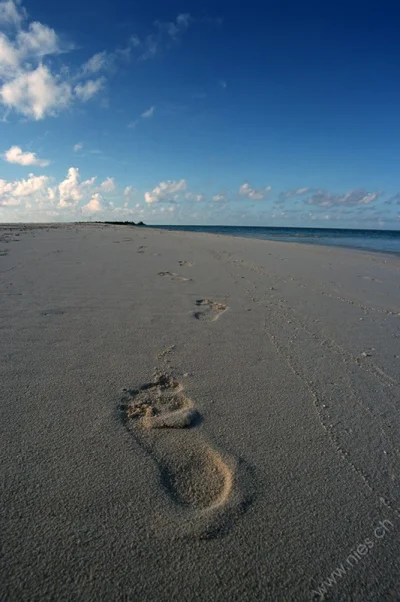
[(206, 112)]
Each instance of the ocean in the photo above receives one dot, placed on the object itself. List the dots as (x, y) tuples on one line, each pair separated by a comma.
[(386, 241)]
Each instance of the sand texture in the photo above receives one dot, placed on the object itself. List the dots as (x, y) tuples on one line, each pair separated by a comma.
[(187, 416)]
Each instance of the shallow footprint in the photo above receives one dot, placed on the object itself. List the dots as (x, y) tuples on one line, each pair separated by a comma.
[(210, 310), (172, 276), (186, 263), (198, 481)]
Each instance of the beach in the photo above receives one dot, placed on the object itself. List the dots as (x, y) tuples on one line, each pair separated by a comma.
[(197, 417)]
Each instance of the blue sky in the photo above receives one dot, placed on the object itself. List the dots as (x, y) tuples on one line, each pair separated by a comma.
[(256, 113)]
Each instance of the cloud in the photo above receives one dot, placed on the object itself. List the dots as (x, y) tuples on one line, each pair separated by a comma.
[(72, 190), (36, 94), (11, 13), (77, 147), (16, 155), (28, 85), (166, 191), (129, 193), (108, 185), (217, 198), (12, 193), (166, 32), (98, 62), (149, 113), (38, 41), (255, 194), (322, 198), (393, 200), (174, 28), (40, 198), (296, 192), (89, 89), (95, 205), (190, 196)]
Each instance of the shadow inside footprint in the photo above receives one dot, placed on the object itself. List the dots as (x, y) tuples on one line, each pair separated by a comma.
[(193, 474), (162, 404), (210, 310)]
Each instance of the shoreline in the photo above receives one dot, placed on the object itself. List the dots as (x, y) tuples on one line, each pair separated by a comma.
[(182, 229), (324, 244)]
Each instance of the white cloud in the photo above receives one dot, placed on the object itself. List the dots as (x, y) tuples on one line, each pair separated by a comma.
[(38, 41), (108, 185), (255, 194), (89, 89), (190, 196), (78, 146), (322, 198), (174, 28), (149, 113), (166, 191), (95, 204), (69, 189), (145, 115), (11, 13), (28, 85), (39, 198), (96, 63), (16, 155), (283, 196), (129, 193), (30, 186), (36, 94), (12, 193), (8, 57), (167, 31), (217, 198), (72, 190)]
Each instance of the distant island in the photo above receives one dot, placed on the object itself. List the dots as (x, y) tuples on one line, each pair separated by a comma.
[(123, 223)]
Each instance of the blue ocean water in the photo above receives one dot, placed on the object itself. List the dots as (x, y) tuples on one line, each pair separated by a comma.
[(387, 241)]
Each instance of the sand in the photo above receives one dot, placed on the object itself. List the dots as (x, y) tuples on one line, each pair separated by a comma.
[(188, 416)]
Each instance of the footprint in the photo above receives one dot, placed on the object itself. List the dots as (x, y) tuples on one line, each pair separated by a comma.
[(186, 263), (200, 484), (371, 279), (52, 312), (173, 276), (210, 310)]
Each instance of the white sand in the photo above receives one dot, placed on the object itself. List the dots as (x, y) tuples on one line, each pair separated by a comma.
[(264, 451)]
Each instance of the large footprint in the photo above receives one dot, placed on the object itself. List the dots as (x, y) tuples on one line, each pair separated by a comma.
[(209, 310), (197, 480)]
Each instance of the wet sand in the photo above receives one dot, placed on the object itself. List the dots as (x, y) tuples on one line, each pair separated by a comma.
[(197, 417)]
